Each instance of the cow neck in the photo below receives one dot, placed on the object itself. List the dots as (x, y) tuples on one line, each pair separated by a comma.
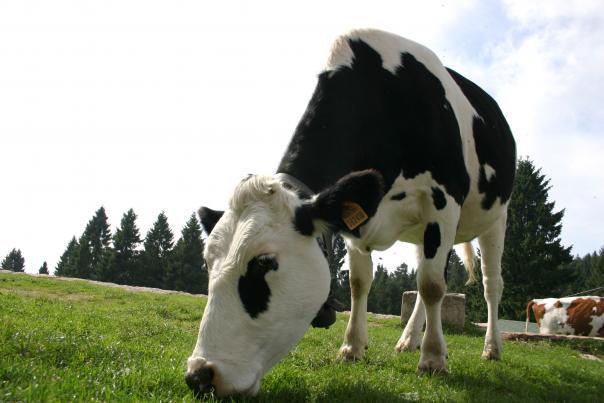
[(298, 186), (326, 315), (325, 240), (313, 172)]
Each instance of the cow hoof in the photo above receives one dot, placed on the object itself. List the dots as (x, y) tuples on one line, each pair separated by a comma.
[(491, 354), (430, 363), (432, 367), (407, 344), (350, 353)]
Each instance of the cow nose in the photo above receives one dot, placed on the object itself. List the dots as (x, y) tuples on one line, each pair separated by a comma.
[(200, 381)]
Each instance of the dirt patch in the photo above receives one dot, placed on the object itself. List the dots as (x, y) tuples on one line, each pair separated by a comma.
[(538, 336)]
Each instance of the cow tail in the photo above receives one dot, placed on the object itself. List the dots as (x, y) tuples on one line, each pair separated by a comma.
[(468, 258), (528, 314)]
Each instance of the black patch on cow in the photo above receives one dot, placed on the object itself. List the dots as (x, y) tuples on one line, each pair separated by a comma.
[(303, 220), (209, 218), (398, 196), (365, 117), (253, 289), (326, 315), (434, 141), (439, 198), (431, 240), (366, 188), (493, 141)]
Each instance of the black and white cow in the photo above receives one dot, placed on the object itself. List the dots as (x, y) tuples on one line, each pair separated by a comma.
[(394, 147)]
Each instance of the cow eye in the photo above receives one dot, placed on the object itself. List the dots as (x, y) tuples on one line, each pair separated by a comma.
[(261, 264)]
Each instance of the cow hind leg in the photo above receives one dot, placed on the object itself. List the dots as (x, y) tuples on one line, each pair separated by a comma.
[(412, 335), (361, 277), (491, 250)]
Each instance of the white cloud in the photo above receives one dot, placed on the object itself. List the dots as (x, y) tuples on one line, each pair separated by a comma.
[(547, 77)]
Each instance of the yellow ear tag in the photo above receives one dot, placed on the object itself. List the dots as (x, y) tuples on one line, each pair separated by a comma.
[(353, 215)]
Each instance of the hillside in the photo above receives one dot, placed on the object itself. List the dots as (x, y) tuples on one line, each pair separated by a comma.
[(72, 340)]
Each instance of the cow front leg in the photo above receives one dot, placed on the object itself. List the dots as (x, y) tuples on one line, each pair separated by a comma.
[(360, 276), (491, 250), (412, 335), (438, 240)]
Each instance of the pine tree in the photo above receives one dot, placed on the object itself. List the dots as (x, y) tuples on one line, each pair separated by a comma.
[(535, 264), (335, 259), (401, 280), (14, 261), (342, 291), (456, 274), (43, 268), (158, 245), (476, 306), (187, 272), (386, 291), (588, 271), (122, 264), (67, 263), (93, 246), (377, 301)]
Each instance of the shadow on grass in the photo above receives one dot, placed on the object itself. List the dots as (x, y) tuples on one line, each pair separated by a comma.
[(563, 385), (594, 347), (293, 388), (335, 391)]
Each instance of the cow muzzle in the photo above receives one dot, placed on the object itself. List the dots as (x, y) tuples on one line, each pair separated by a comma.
[(205, 377), (200, 380)]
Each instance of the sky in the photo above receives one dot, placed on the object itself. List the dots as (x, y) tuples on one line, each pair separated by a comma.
[(165, 106)]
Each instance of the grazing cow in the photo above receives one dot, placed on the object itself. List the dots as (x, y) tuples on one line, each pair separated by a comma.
[(580, 316), (392, 146)]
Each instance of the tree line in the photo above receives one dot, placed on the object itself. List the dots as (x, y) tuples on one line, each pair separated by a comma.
[(534, 265), (119, 258)]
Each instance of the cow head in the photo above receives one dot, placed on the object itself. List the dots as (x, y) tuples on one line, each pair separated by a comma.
[(268, 277)]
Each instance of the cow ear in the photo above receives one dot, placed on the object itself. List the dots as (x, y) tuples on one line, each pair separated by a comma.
[(345, 206), (209, 218)]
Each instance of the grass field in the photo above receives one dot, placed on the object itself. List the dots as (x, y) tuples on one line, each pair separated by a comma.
[(75, 341)]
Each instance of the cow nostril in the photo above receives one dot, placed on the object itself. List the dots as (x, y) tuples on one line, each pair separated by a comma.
[(200, 381)]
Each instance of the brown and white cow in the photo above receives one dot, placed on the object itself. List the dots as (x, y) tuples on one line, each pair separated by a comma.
[(580, 316)]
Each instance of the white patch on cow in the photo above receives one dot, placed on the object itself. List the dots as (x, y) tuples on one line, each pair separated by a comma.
[(258, 221), (397, 219), (489, 172), (554, 321), (404, 220), (596, 324)]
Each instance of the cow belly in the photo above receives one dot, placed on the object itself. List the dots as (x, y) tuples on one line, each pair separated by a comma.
[(474, 220), (400, 215), (556, 322)]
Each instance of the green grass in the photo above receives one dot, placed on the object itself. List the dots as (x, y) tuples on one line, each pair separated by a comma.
[(74, 341)]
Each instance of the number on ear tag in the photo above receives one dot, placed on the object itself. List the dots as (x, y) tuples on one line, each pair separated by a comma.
[(353, 215)]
